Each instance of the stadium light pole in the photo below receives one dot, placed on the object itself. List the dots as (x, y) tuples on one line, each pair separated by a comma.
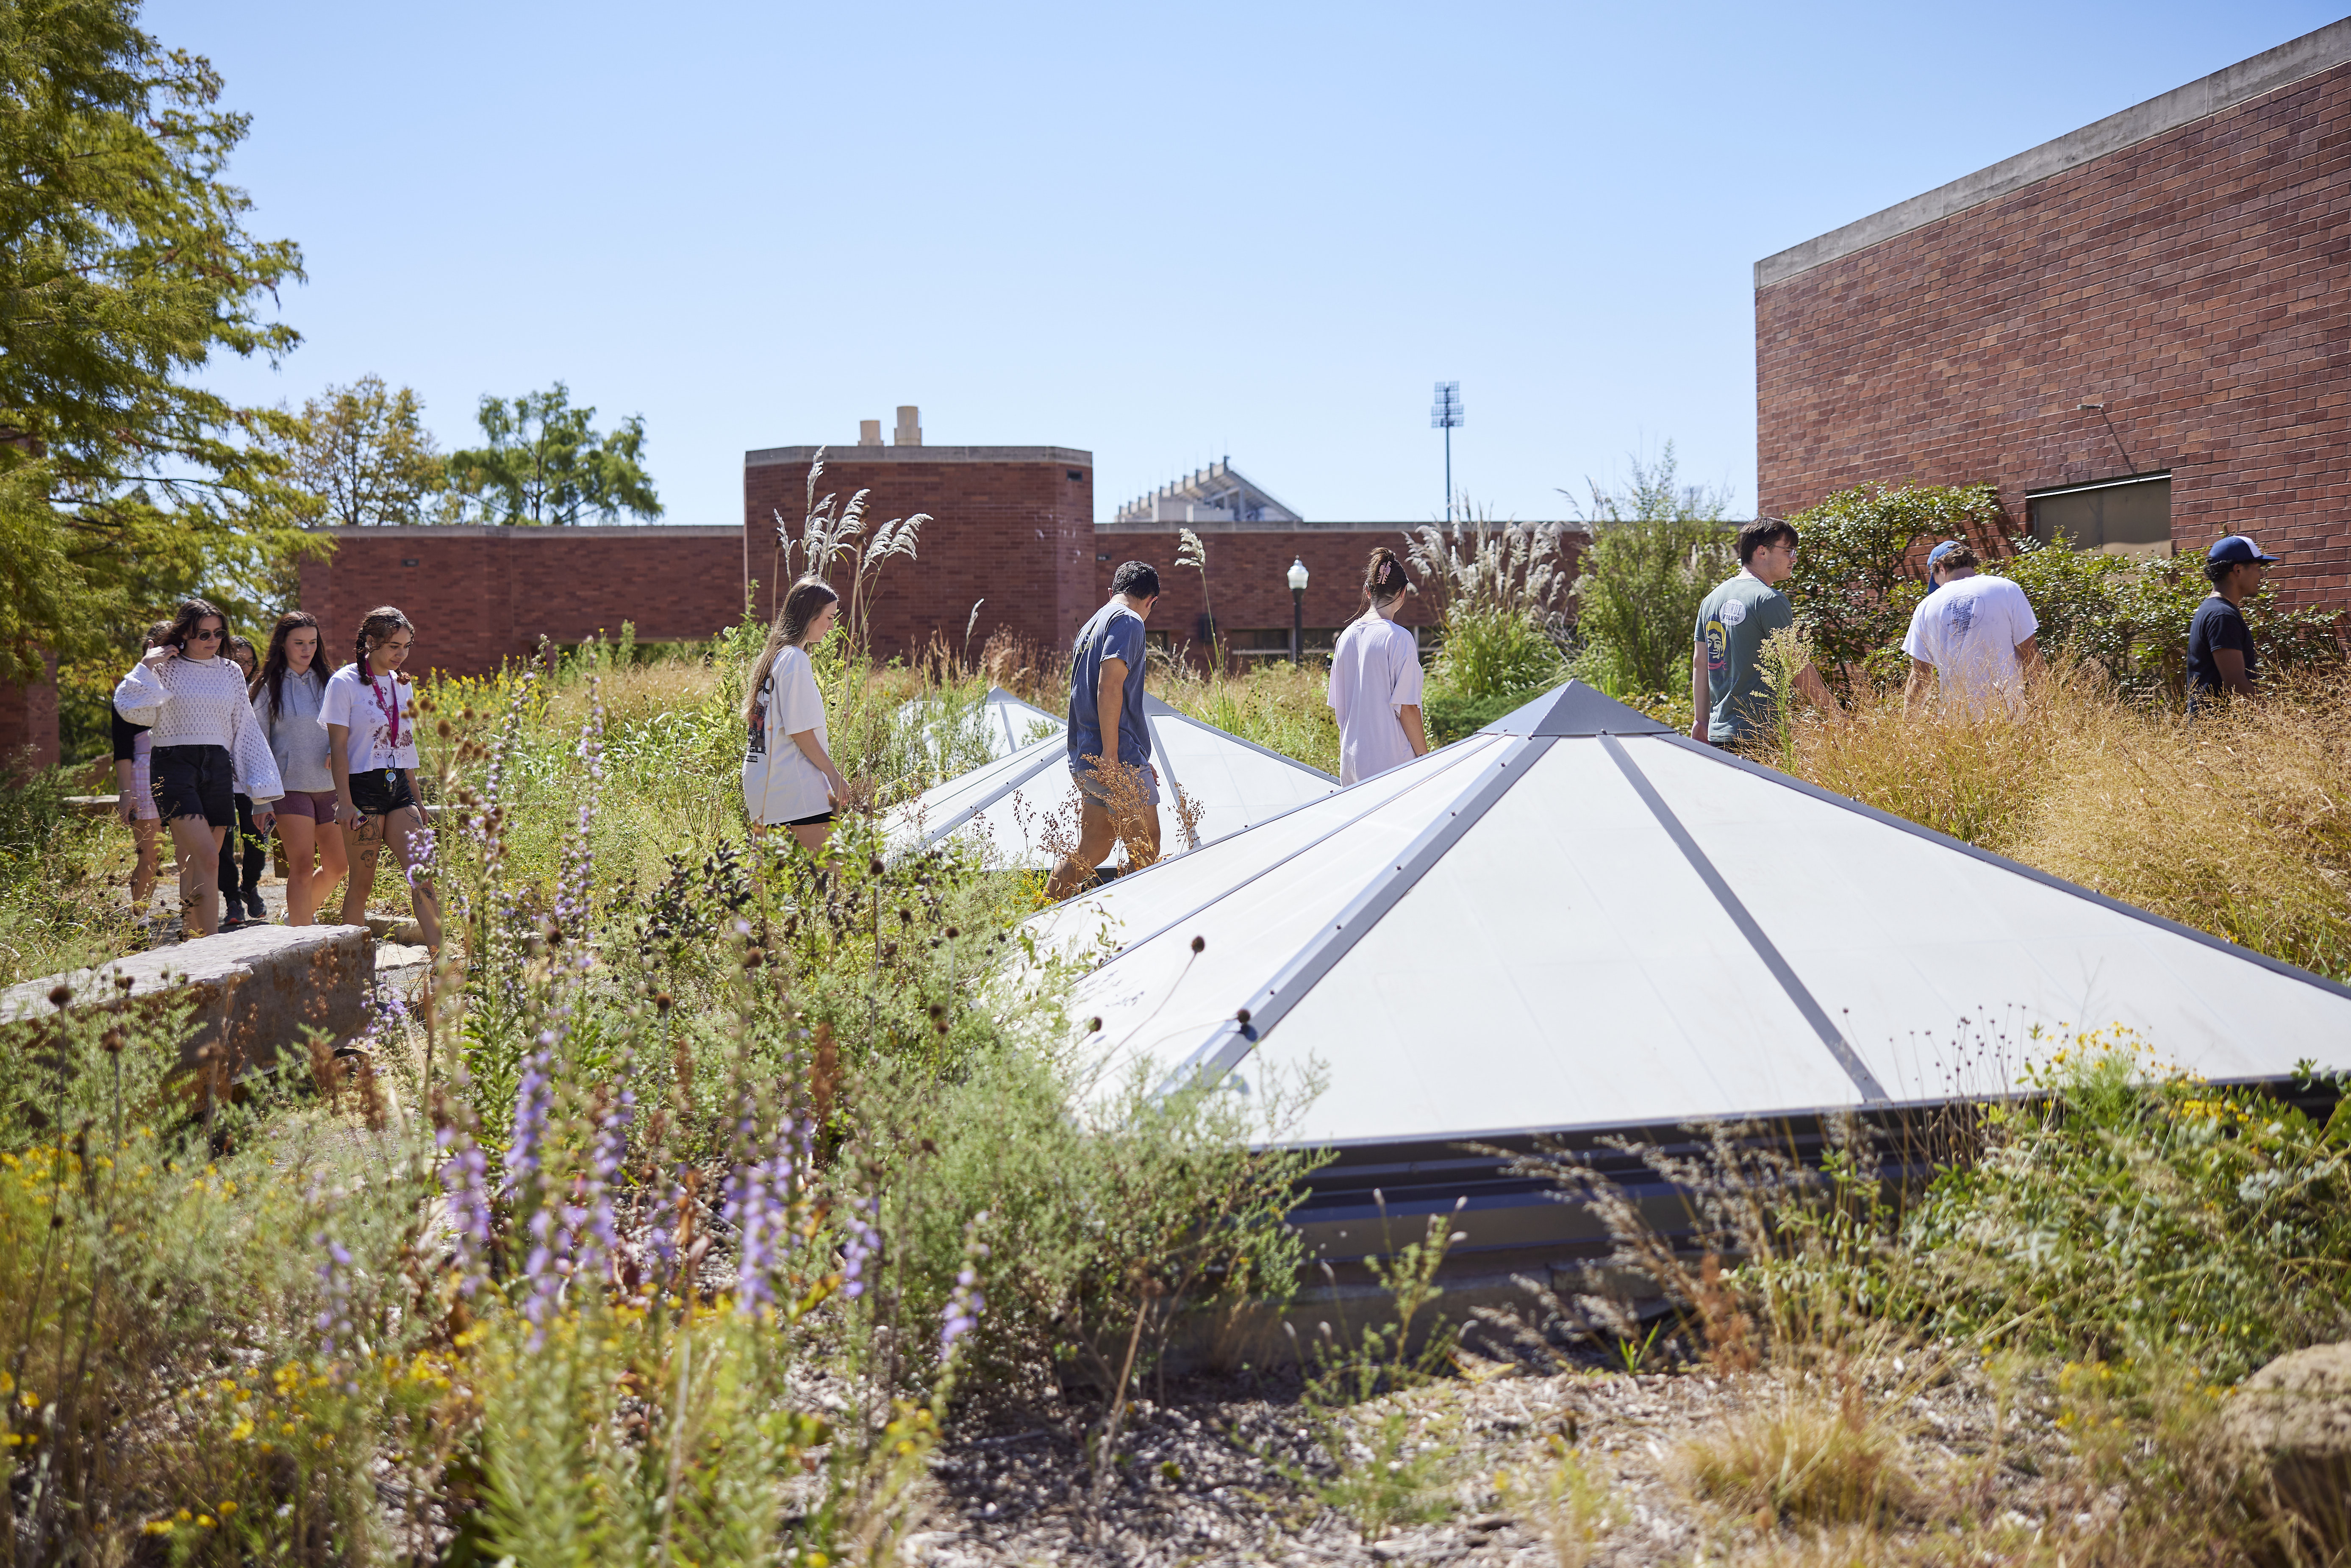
[(1446, 414), (1297, 609)]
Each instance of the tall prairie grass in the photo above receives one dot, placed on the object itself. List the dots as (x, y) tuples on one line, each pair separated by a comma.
[(2237, 822)]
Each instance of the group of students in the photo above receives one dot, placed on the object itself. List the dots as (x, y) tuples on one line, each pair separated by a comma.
[(207, 744), (1971, 643)]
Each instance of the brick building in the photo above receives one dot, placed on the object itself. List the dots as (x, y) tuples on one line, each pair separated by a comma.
[(2140, 332)]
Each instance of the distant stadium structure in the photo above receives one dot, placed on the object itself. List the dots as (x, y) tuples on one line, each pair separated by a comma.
[(1217, 494)]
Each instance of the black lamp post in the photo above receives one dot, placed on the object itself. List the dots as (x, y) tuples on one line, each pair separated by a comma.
[(1297, 609)]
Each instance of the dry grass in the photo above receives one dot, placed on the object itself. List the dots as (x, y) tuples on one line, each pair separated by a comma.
[(2238, 823), (1800, 1453)]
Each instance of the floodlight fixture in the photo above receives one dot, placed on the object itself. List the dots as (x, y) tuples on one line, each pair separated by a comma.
[(1446, 414)]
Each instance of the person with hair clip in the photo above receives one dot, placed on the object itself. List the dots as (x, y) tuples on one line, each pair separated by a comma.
[(1375, 678), (368, 714), (205, 741), (286, 697), (788, 779), (241, 855), (134, 794)]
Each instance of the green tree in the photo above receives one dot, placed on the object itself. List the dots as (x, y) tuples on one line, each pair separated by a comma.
[(544, 463), (124, 266), (1657, 548), (361, 456)]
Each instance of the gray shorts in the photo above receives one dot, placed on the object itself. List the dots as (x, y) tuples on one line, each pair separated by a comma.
[(1091, 787)]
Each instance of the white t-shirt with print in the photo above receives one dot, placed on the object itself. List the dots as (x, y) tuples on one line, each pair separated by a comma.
[(1375, 670), (1968, 631), (779, 783), (373, 710)]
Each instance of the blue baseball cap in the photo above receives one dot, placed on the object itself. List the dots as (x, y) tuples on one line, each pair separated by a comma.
[(2236, 549), (1934, 557)]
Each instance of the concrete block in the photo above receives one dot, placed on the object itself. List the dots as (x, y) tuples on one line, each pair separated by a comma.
[(258, 990)]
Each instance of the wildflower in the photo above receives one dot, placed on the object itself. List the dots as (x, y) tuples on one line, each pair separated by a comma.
[(966, 1302), (864, 1243)]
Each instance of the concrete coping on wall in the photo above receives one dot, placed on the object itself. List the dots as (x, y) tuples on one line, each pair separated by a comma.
[(850, 451), (2288, 63), (1231, 525), (520, 531), (260, 990)]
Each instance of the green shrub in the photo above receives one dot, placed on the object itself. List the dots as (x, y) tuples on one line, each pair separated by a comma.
[(2128, 1210), (1854, 586), (1489, 653), (1637, 595), (2128, 619)]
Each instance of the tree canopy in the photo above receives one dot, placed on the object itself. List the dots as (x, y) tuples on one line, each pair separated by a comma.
[(361, 456), (124, 266), (544, 463)]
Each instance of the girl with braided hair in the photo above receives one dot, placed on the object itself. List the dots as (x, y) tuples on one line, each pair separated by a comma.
[(1375, 678), (368, 716)]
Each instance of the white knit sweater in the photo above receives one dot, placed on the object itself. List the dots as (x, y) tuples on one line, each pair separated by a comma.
[(201, 702)]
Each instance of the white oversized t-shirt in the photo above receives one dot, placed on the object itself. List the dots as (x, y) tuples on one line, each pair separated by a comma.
[(381, 714), (1375, 670), (779, 783), (1968, 631)]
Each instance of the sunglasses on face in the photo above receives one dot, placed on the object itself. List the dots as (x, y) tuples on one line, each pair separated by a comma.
[(205, 636)]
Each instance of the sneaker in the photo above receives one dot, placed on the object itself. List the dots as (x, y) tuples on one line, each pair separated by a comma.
[(254, 908), (232, 923)]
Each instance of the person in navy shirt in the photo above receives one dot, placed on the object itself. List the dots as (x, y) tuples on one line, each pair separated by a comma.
[(2220, 656), (1107, 732)]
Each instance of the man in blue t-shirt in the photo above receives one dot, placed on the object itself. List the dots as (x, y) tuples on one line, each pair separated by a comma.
[(2220, 645), (1119, 794)]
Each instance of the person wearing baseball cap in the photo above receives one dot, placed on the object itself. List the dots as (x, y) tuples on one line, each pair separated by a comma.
[(2220, 655), (1971, 639)]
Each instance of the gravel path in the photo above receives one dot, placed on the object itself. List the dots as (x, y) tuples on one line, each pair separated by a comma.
[(1219, 1475)]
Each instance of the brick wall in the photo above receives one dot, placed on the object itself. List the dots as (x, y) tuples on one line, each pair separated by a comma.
[(2199, 284), (28, 723), (481, 595), (1247, 575), (1010, 526)]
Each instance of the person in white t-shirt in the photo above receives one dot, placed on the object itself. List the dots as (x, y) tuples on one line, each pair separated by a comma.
[(1375, 678), (368, 714), (788, 779), (1973, 636)]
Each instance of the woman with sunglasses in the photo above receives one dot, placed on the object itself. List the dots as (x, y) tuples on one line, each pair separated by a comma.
[(368, 711), (205, 740)]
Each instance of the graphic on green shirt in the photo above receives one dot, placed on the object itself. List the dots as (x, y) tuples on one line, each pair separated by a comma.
[(1731, 626)]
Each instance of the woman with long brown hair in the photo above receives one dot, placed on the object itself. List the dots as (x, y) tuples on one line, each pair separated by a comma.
[(1375, 678), (204, 742), (368, 714), (788, 779), (286, 697)]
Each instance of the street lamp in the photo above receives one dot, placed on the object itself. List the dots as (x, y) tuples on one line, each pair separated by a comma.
[(1297, 608)]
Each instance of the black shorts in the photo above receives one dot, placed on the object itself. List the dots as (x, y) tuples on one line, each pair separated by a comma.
[(381, 792), (815, 821), (193, 781)]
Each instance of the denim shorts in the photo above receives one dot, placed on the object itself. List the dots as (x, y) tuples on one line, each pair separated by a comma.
[(194, 782)]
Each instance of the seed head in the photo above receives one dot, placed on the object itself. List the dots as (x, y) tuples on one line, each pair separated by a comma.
[(1241, 1018), (1200, 944), (60, 995), (112, 1041)]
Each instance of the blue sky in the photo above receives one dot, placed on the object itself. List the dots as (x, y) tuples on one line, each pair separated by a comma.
[(1163, 234)]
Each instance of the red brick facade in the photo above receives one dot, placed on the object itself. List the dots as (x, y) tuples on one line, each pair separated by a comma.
[(28, 726), (1247, 569), (1011, 526), (2198, 283), (479, 596)]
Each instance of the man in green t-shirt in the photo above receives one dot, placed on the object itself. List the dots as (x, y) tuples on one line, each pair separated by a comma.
[(1726, 692)]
